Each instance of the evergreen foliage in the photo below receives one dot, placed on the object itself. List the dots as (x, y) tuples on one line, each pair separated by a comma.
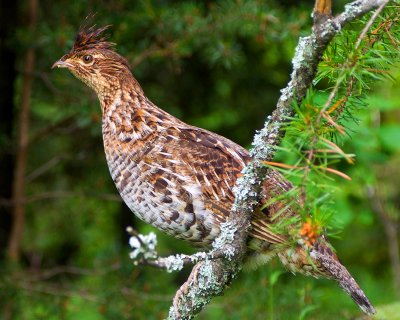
[(310, 154)]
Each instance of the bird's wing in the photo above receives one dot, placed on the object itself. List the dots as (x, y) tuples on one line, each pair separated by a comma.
[(214, 163)]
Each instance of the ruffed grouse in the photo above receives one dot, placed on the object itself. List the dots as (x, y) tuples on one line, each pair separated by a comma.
[(179, 178)]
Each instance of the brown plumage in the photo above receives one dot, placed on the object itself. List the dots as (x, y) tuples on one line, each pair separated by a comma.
[(180, 178)]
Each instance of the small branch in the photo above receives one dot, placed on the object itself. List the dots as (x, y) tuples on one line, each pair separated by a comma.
[(324, 113), (43, 168), (369, 24), (322, 11), (178, 261), (323, 7), (209, 278), (145, 253), (356, 9), (348, 63)]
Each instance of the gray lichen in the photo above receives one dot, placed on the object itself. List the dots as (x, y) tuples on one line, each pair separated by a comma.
[(300, 52), (356, 9), (261, 149), (198, 293), (174, 263), (352, 9), (328, 28), (178, 261), (244, 189), (144, 246), (226, 236)]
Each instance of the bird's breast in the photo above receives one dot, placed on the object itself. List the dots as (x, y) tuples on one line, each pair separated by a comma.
[(150, 183)]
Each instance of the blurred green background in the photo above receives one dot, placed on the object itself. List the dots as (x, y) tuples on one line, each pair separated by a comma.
[(214, 64)]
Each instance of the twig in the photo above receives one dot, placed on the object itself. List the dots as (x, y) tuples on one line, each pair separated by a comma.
[(43, 168), (323, 113), (369, 24), (349, 63), (145, 253)]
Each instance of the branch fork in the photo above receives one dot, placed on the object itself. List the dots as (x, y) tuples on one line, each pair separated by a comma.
[(145, 250)]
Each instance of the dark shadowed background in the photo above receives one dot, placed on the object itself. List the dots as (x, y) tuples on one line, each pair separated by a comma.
[(214, 64)]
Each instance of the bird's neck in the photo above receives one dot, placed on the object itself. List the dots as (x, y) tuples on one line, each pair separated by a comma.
[(118, 90), (128, 116)]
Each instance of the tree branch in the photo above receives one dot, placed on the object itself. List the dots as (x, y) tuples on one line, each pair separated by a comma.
[(14, 242), (210, 276)]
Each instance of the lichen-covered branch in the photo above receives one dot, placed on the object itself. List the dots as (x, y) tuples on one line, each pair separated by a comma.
[(145, 253), (210, 276)]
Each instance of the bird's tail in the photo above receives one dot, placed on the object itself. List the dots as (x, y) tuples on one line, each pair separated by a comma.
[(319, 260), (335, 270)]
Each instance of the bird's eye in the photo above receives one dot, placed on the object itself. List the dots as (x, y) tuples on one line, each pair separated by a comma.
[(87, 58)]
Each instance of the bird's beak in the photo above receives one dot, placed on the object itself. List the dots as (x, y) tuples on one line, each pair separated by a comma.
[(61, 64)]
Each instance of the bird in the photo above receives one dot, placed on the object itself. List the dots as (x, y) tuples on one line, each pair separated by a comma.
[(180, 178)]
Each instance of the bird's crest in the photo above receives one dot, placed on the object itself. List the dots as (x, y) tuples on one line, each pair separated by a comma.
[(92, 38)]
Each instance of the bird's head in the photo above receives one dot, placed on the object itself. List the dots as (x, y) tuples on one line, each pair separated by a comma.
[(94, 61)]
